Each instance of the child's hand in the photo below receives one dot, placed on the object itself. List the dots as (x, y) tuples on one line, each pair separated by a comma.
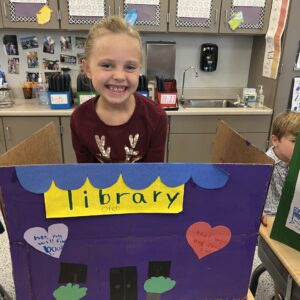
[(264, 219), (69, 292)]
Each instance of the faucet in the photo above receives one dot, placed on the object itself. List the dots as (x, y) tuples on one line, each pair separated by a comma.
[(182, 99)]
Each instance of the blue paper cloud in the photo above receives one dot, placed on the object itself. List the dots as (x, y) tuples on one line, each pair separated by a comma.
[(38, 178)]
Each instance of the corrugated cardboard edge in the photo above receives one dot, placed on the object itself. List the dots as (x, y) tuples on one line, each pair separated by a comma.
[(40, 148), (230, 147)]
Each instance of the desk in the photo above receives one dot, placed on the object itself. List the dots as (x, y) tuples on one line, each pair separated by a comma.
[(281, 261)]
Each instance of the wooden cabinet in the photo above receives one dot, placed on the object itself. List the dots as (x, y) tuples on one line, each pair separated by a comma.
[(16, 129), (188, 24), (23, 15), (68, 152), (221, 11), (151, 18), (256, 19), (2, 138), (1, 22), (68, 21), (191, 137)]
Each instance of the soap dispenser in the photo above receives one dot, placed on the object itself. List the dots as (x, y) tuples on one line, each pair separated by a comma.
[(260, 97)]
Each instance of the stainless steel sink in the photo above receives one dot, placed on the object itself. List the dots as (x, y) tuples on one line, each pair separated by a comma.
[(218, 103)]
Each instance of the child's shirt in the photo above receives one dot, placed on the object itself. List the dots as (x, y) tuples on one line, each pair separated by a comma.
[(142, 138), (277, 182)]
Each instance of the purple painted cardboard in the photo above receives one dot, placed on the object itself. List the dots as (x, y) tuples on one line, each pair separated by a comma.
[(107, 242)]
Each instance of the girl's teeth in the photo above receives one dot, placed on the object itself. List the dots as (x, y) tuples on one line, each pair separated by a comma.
[(117, 88)]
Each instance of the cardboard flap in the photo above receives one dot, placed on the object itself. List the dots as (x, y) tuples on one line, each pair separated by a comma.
[(230, 147), (41, 148)]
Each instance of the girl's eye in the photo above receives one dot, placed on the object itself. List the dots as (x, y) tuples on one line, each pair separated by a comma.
[(131, 68), (106, 66)]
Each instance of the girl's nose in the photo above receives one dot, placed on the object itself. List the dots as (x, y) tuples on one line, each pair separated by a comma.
[(119, 75)]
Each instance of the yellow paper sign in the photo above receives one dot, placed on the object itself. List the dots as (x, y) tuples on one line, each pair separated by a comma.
[(44, 15), (115, 200)]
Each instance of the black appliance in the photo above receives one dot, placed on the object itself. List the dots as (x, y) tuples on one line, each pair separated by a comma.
[(208, 57)]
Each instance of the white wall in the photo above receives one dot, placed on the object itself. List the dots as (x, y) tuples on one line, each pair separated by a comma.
[(232, 69), (233, 61)]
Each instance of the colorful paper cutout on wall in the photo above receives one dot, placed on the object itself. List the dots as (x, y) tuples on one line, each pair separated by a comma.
[(44, 15), (236, 20), (70, 292), (159, 285), (115, 200), (206, 240), (49, 242)]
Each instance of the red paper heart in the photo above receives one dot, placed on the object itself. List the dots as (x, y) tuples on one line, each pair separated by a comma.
[(205, 240)]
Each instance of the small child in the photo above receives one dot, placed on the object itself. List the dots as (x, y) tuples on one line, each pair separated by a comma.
[(119, 125), (284, 130)]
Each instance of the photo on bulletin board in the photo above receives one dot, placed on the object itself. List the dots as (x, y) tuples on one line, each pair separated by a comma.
[(65, 43), (80, 57), (68, 59), (10, 45), (32, 59), (32, 76), (29, 42), (49, 64), (80, 42), (13, 65), (48, 46)]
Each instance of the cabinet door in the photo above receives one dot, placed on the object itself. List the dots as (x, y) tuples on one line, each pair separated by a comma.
[(16, 129), (68, 152), (23, 15), (2, 138), (149, 17), (189, 147), (71, 19), (256, 19), (1, 22), (181, 22)]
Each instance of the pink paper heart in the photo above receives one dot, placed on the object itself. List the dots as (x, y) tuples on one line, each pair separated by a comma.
[(206, 240)]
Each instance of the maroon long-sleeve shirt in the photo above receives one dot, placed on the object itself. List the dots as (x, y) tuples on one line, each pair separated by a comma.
[(142, 138)]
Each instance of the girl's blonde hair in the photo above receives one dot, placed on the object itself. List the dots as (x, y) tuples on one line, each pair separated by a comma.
[(112, 24), (286, 123)]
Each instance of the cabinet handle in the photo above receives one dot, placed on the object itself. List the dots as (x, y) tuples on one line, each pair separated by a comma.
[(216, 16), (226, 16), (5, 12), (108, 10), (8, 135), (119, 10)]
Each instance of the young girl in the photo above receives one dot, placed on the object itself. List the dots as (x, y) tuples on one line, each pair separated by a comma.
[(119, 125)]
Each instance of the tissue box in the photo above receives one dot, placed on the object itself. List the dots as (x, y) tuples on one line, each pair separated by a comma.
[(249, 95), (167, 100), (60, 100)]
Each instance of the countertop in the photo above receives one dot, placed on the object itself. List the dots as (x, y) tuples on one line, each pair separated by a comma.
[(32, 108)]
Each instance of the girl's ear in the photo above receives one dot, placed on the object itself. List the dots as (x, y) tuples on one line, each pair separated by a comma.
[(86, 68), (275, 140)]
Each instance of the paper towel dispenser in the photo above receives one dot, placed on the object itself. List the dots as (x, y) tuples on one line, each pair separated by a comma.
[(160, 60)]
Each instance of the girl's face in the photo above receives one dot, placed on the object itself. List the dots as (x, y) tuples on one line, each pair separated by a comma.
[(284, 147), (114, 67)]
